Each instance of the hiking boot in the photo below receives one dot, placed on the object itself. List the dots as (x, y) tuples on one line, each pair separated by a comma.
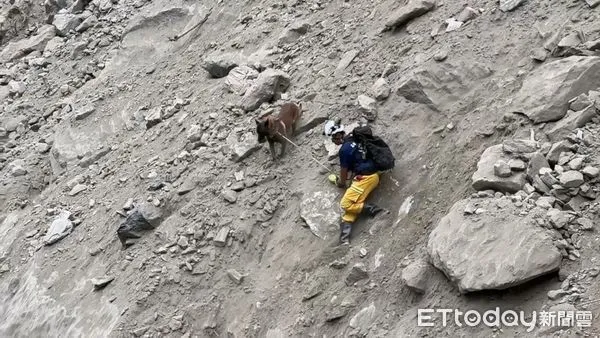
[(345, 229), (372, 209)]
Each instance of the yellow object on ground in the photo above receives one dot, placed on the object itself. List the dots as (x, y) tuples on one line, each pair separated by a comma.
[(333, 178), (354, 198)]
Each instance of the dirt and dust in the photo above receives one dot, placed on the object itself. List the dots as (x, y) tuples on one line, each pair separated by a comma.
[(114, 111)]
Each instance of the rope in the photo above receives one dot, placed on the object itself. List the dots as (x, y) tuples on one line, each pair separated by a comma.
[(312, 157)]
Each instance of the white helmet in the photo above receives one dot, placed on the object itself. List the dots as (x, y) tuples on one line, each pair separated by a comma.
[(332, 128)]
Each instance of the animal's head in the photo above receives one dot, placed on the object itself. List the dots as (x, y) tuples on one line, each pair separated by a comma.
[(262, 129)]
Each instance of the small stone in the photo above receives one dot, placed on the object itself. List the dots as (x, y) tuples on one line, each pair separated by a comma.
[(586, 224), (229, 195), (221, 237), (77, 189), (338, 264), (441, 55), (576, 163), (362, 253), (501, 169), (467, 14), (590, 171), (470, 209), (347, 59), (539, 54), (235, 276), (381, 89), (183, 242), (556, 294), (517, 165), (102, 282), (571, 179), (128, 205), (357, 273)]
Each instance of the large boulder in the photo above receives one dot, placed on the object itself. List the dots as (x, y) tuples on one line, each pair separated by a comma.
[(321, 213), (269, 84), (485, 178), (15, 50), (571, 121), (545, 94), (492, 250), (416, 275), (239, 79)]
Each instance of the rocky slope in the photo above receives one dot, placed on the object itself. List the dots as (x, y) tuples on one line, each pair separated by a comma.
[(120, 114)]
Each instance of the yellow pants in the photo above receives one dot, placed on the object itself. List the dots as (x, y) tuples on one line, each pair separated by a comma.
[(354, 198)]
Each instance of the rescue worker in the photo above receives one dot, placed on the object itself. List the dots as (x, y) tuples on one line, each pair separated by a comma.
[(364, 179)]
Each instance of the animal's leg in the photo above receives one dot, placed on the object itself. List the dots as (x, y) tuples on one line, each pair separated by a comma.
[(283, 148), (272, 148)]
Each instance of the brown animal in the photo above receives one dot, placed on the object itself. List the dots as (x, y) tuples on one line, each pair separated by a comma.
[(271, 128)]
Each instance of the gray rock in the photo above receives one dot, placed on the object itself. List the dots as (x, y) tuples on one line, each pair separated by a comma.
[(319, 210), (89, 22), (545, 93), (240, 79), (187, 186), (194, 133), (581, 102), (357, 273), (235, 276), (42, 148), (441, 55), (269, 84), (571, 121), (66, 22), (576, 163), (556, 294), (536, 162), (15, 50), (229, 195), (219, 65), (101, 282), (77, 189), (510, 249), (60, 228), (484, 178), (585, 223), (502, 169), (519, 146), (540, 186), (183, 242), (517, 165), (347, 59), (84, 112), (17, 168), (416, 275), (590, 171), (509, 5), (467, 14), (548, 179), (571, 179), (560, 219), (593, 45), (16, 87), (364, 319), (221, 237), (539, 54), (413, 9), (569, 41), (153, 117), (592, 3), (367, 104), (557, 148), (242, 145), (380, 89), (412, 90)]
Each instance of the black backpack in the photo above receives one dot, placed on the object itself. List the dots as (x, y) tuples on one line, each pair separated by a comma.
[(377, 150)]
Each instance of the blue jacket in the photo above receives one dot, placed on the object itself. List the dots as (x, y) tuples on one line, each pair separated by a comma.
[(353, 158)]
